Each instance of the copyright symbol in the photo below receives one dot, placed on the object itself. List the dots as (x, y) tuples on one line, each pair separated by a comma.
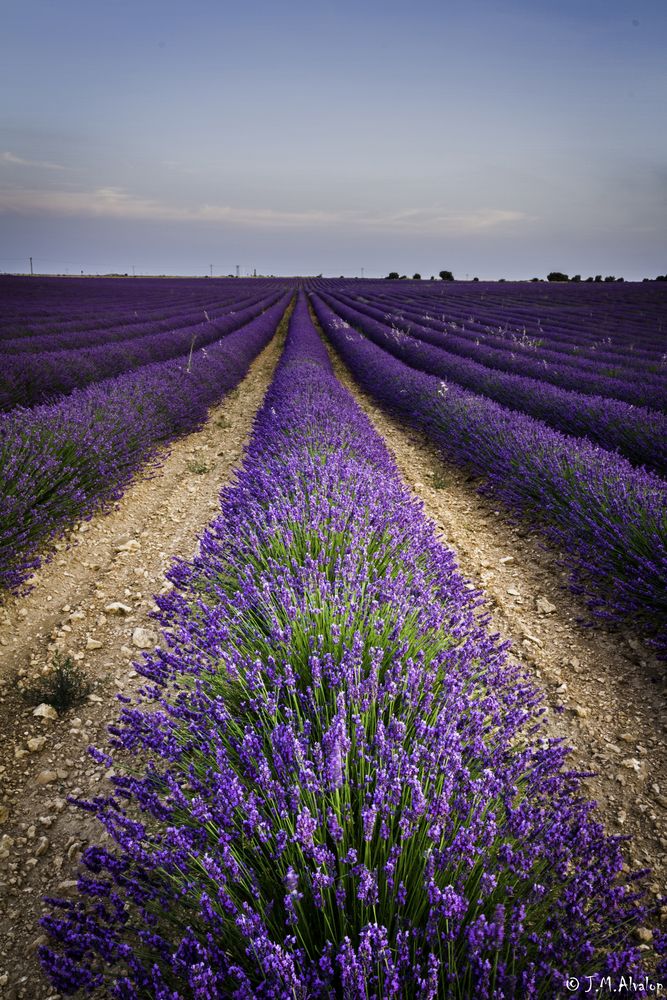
[(572, 984)]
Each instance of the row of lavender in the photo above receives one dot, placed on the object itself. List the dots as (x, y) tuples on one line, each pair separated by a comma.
[(346, 788), (112, 325), (636, 432), (602, 378), (67, 306), (620, 374), (60, 461), (580, 325), (38, 367), (620, 318), (608, 518)]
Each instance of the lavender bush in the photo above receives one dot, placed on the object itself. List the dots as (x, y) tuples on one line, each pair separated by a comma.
[(595, 322), (345, 789), (636, 432), (610, 518), (28, 379), (59, 462), (572, 341)]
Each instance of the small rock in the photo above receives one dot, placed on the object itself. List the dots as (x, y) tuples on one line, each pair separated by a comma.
[(45, 711), (117, 608), (93, 643), (544, 606), (36, 744), (46, 777), (129, 546), (73, 850), (42, 847), (95, 697), (582, 712), (4, 814), (645, 934), (513, 592), (68, 885), (38, 942), (144, 638), (533, 639), (507, 559)]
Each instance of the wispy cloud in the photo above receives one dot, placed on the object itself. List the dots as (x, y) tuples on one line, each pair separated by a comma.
[(19, 161), (117, 203), (439, 219)]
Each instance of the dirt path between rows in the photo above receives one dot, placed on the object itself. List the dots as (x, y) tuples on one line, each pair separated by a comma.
[(115, 558), (604, 689)]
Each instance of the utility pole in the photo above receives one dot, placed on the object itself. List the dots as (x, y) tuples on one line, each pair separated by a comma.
[(237, 269), (362, 272), (133, 274), (211, 267), (31, 271)]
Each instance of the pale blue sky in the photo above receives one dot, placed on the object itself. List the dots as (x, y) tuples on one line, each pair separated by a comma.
[(503, 139)]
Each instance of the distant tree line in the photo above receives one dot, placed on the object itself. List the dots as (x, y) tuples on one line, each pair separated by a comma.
[(444, 275), (552, 276), (560, 276)]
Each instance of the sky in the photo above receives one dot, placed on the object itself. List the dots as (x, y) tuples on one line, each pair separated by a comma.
[(492, 138)]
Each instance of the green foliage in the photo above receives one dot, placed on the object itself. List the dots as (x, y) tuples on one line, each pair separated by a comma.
[(446, 275), (197, 466)]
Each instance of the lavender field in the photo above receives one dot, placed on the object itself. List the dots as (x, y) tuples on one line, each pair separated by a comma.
[(333, 777)]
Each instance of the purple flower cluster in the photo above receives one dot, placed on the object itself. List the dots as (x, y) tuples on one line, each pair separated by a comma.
[(42, 314), (609, 517), (59, 461), (27, 379), (636, 432), (591, 326), (568, 348), (345, 790)]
